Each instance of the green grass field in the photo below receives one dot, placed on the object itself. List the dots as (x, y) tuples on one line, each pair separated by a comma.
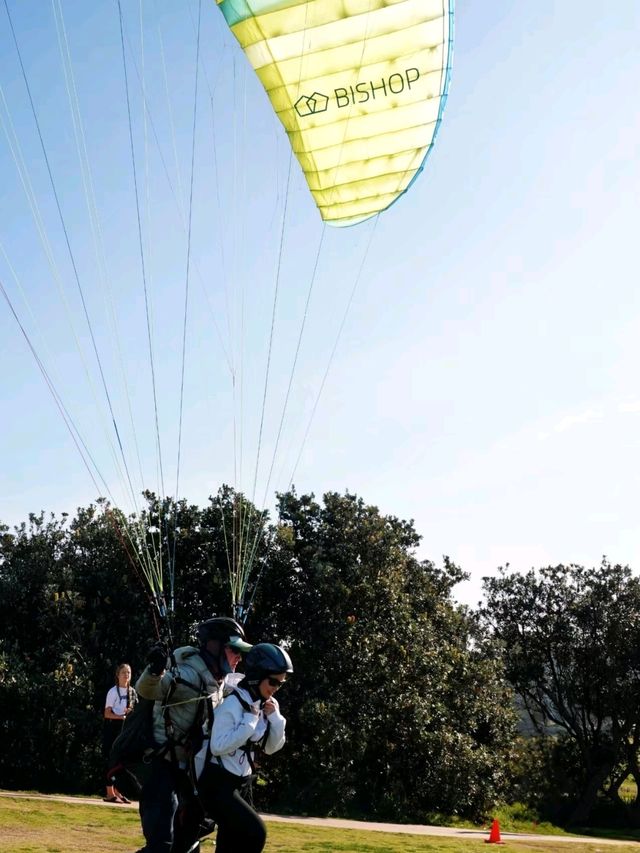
[(50, 826)]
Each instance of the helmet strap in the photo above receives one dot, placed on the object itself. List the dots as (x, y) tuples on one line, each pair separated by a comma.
[(251, 687)]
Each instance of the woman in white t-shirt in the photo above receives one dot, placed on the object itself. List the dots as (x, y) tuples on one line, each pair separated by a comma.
[(119, 702)]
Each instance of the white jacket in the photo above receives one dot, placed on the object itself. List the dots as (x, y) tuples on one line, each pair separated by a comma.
[(233, 727)]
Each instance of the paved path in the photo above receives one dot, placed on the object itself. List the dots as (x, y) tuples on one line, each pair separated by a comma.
[(450, 831), (401, 828)]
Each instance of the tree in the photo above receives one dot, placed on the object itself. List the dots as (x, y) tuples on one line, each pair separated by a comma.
[(396, 708), (571, 642), (75, 602), (66, 604)]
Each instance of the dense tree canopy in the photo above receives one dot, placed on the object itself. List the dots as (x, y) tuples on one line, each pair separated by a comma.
[(571, 644), (394, 709), (398, 708), (67, 599), (401, 705)]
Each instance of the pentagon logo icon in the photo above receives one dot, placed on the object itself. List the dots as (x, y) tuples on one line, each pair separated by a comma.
[(308, 105)]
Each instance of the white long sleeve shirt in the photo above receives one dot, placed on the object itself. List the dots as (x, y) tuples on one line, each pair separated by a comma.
[(233, 727)]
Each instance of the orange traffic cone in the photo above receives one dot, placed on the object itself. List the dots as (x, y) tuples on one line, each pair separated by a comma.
[(494, 835)]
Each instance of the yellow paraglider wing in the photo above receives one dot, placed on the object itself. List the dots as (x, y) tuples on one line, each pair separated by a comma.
[(359, 86)]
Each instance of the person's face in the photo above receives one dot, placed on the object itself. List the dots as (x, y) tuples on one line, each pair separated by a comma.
[(269, 685), (233, 657), (124, 675)]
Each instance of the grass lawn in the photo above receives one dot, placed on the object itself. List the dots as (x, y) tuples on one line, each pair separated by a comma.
[(49, 826)]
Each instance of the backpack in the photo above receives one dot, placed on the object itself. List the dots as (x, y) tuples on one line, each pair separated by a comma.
[(133, 749)]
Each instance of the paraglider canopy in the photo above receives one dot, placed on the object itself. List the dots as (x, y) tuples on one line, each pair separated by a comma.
[(359, 87)]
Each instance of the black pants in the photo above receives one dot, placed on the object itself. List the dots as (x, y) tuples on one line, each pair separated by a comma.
[(170, 816), (110, 731), (240, 828)]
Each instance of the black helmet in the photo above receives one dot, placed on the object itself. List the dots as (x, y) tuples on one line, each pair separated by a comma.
[(226, 630), (266, 659)]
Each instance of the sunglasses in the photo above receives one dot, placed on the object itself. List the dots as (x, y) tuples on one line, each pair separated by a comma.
[(276, 682)]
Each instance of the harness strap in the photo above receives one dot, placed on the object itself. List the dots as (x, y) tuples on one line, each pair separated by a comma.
[(172, 739), (250, 746)]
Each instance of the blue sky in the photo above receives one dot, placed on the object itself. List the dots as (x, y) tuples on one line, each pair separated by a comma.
[(486, 382)]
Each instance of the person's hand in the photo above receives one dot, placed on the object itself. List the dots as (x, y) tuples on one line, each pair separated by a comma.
[(157, 659), (269, 707)]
